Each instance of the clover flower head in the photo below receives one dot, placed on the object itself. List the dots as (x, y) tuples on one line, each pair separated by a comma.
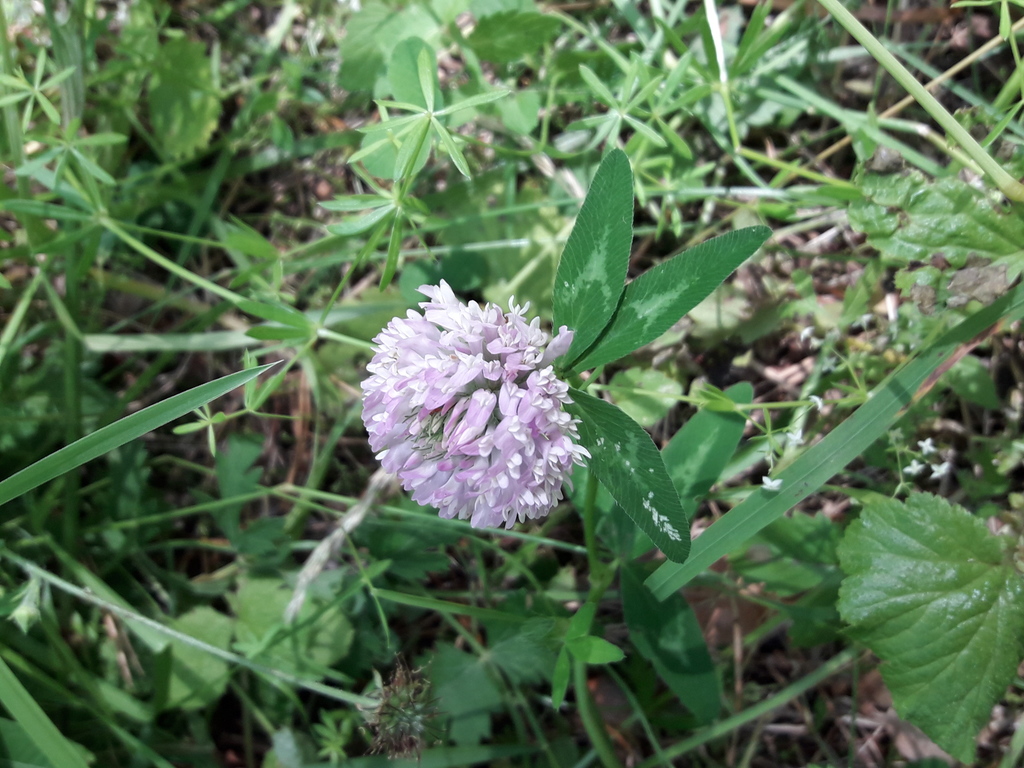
[(463, 405)]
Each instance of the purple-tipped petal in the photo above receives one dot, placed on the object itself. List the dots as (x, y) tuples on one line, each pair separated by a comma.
[(463, 406)]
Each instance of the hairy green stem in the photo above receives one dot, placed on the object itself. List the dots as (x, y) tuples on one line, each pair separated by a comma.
[(1009, 186)]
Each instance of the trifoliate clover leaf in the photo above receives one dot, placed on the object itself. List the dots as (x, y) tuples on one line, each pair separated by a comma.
[(938, 598)]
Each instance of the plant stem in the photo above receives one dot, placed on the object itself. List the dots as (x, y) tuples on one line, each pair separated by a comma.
[(591, 718), (337, 694), (1009, 186), (730, 724), (35, 230)]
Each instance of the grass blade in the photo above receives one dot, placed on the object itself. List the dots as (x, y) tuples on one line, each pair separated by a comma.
[(120, 432), (847, 441), (44, 734)]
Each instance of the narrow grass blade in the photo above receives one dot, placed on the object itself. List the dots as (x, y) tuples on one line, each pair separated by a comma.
[(847, 441), (30, 716), (120, 432)]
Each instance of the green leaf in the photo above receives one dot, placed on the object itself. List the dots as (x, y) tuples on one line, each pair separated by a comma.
[(588, 282), (426, 69), (909, 217), (663, 294), (198, 678), (626, 461), (817, 465), (466, 690), (560, 678), (350, 203), (510, 36), (33, 720), (670, 637), (45, 210), (644, 130), (696, 455), (412, 74), (319, 637), (278, 333), (210, 341), (276, 313), (19, 748), (597, 86), (972, 381), (645, 407), (594, 650), (183, 102), (579, 624), (451, 148), (120, 432), (521, 113), (475, 101), (359, 224), (407, 165), (937, 598)]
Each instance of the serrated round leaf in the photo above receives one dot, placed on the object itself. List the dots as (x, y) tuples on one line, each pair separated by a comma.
[(510, 36), (184, 104), (938, 599), (909, 217), (663, 294), (627, 462), (592, 269), (198, 678)]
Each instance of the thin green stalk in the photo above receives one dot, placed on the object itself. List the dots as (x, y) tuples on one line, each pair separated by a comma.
[(1009, 186), (591, 717), (723, 88), (35, 230), (590, 527), (175, 269), (325, 333), (730, 724), (18, 315), (337, 694)]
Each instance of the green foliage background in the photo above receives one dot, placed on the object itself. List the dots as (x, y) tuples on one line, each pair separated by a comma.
[(198, 561)]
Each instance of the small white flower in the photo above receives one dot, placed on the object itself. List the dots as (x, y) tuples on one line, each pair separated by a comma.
[(927, 446), (795, 437), (818, 402), (863, 321), (807, 333), (915, 468), (769, 484), (939, 471)]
